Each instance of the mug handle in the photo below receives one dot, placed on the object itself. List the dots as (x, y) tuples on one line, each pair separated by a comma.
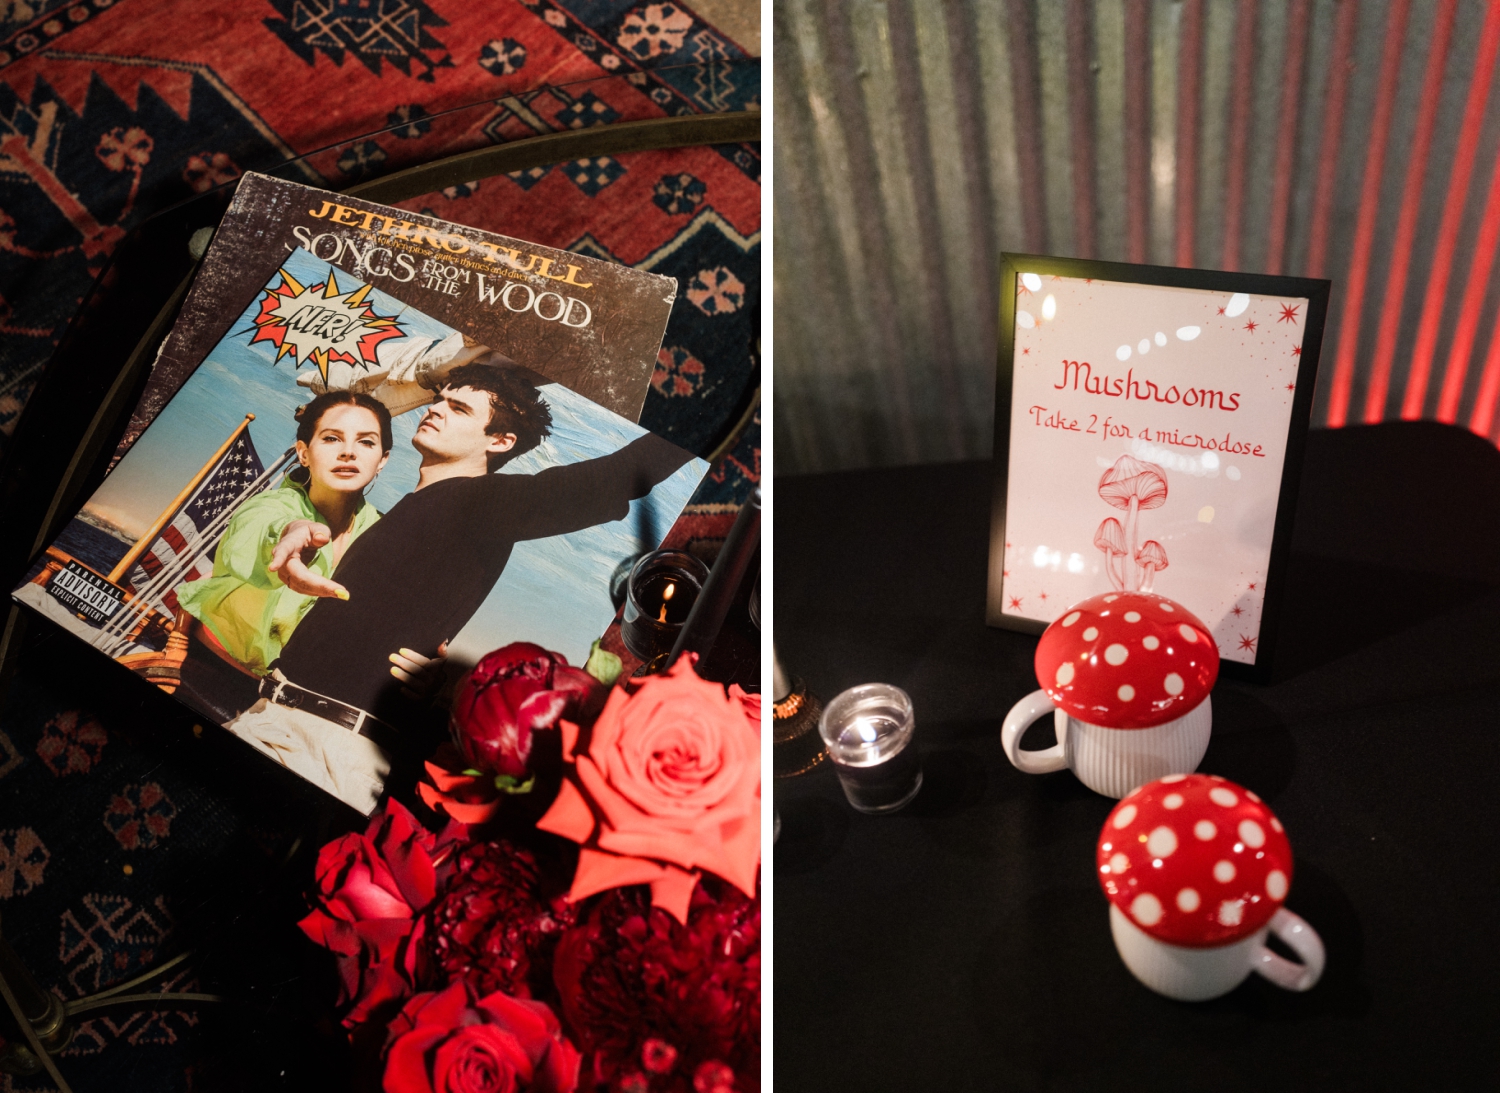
[(1303, 940), (1022, 714)]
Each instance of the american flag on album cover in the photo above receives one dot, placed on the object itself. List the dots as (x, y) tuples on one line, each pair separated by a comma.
[(183, 550)]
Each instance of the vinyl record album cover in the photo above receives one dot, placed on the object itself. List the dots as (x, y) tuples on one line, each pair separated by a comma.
[(351, 498)]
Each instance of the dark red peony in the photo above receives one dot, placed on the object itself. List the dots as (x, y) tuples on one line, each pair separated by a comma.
[(370, 889), (510, 694), (491, 924), (455, 1041), (664, 1006)]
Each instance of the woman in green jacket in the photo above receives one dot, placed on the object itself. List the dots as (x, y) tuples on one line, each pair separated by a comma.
[(245, 612)]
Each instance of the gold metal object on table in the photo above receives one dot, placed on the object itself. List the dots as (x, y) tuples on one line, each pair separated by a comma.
[(794, 721)]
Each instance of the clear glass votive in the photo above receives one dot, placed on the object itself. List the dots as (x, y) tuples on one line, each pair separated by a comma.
[(659, 596), (868, 732)]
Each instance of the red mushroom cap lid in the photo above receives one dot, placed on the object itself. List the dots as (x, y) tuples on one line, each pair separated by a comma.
[(1127, 660), (1195, 860)]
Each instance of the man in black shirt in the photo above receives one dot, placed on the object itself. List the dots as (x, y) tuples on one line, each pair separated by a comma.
[(417, 575)]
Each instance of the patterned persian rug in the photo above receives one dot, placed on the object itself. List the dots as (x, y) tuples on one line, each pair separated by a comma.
[(126, 836)]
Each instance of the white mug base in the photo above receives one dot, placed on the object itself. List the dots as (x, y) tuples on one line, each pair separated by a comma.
[(1196, 975), (1109, 761), (1115, 761)]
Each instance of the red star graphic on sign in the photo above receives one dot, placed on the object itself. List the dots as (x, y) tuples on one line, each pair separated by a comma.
[(1247, 643), (1021, 289), (1296, 351), (1289, 313), (1043, 596), (1088, 280), (1055, 277), (1250, 326), (1236, 611), (1005, 573), (1026, 352), (1291, 387), (1252, 588), (1015, 601), (1221, 311)]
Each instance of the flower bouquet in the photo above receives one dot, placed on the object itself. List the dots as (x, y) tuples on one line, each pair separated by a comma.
[(581, 912)]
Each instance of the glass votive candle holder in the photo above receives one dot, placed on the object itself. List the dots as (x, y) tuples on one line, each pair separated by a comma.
[(659, 595), (868, 733)]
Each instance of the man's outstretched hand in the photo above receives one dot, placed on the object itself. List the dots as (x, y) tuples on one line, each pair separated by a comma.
[(299, 545)]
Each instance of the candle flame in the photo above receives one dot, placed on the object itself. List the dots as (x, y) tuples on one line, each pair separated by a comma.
[(665, 596)]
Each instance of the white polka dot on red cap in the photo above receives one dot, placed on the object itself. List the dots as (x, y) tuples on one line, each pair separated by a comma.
[(1064, 673), (1172, 801), (1187, 900), (1187, 632), (1117, 654), (1124, 818), (1172, 684), (1071, 619), (1205, 830), (1221, 796), (1132, 616), (1146, 909), (1151, 641), (1252, 834), (1119, 863), (1168, 779), (1161, 842), (1231, 911), (1091, 633), (1276, 825), (1276, 884), (1223, 871), (1126, 692), (1165, 606), (1110, 599)]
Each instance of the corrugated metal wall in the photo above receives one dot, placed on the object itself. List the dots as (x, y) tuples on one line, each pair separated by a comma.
[(917, 139)]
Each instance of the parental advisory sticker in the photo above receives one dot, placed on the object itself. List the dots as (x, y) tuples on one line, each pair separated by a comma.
[(85, 592)]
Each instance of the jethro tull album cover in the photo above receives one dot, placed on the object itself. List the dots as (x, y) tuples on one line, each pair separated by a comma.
[(349, 497)]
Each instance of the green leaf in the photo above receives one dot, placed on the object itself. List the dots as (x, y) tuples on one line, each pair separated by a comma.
[(472, 773), (506, 783), (603, 665)]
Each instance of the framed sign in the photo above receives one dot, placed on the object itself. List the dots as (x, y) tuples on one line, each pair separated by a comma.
[(1149, 430)]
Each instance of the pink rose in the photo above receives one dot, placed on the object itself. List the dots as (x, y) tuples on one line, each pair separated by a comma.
[(666, 782), (370, 889), (509, 695), (455, 1042)]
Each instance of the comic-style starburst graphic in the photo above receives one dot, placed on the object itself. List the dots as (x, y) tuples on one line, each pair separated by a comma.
[(321, 323)]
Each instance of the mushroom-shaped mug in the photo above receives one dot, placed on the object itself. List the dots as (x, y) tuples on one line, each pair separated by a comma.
[(1196, 869), (1128, 674)]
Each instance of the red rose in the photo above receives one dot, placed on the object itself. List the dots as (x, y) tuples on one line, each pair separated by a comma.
[(491, 924), (456, 1042), (665, 782), (750, 703), (370, 888), (510, 694)]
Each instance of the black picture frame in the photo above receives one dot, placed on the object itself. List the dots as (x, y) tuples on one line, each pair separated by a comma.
[(1315, 291)]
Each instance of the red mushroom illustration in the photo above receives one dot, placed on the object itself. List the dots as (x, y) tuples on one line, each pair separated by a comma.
[(1133, 485), (1110, 538), (1151, 557), (1195, 860)]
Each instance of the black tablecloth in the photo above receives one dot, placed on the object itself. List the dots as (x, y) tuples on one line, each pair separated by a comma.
[(964, 943)]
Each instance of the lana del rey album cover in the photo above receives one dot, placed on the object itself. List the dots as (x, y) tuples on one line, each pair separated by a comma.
[(359, 482)]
